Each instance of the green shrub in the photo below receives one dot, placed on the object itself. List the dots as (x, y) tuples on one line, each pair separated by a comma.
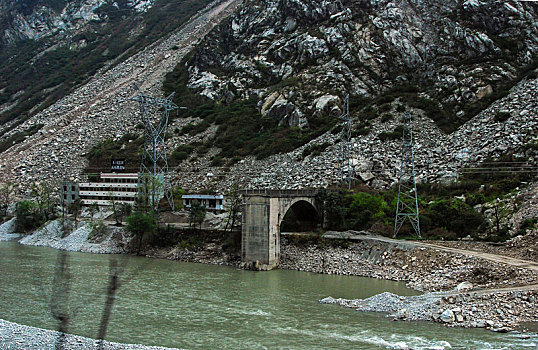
[(527, 224), (385, 117), (384, 108), (127, 147), (315, 150), (502, 116), (475, 199), (216, 162), (400, 108), (361, 132), (396, 134), (365, 209), (141, 226), (456, 216), (28, 216), (182, 152)]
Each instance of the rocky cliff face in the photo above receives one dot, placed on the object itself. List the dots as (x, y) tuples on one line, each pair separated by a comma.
[(297, 60), (22, 20), (297, 57)]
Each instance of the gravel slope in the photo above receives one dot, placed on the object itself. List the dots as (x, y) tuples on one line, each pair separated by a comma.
[(7, 230), (78, 240), (15, 336)]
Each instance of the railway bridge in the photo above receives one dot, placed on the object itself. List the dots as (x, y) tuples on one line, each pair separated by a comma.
[(263, 214)]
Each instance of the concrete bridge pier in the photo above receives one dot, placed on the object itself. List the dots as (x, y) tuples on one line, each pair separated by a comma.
[(263, 212)]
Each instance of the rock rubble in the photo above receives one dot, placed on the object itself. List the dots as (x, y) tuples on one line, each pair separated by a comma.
[(18, 337), (497, 311), (58, 235), (7, 231), (99, 109)]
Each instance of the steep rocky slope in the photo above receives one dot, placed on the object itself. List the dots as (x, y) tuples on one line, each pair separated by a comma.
[(453, 64), (98, 110), (299, 57), (50, 47), (22, 20), (457, 66)]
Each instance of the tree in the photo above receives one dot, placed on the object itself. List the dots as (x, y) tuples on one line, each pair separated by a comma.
[(26, 217), (151, 190), (333, 209), (42, 195), (75, 208), (141, 224), (93, 209), (196, 214), (121, 211), (7, 192), (177, 195), (234, 207)]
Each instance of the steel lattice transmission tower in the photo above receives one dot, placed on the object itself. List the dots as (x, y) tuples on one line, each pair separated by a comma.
[(407, 207), (347, 173), (153, 174)]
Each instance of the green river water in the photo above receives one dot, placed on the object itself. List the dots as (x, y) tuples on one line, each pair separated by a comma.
[(196, 306)]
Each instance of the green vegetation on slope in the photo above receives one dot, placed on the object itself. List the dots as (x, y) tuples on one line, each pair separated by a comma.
[(19, 137), (39, 82), (128, 147), (242, 130)]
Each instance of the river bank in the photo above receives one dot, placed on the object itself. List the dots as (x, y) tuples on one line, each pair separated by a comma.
[(460, 290), (428, 270), (15, 336)]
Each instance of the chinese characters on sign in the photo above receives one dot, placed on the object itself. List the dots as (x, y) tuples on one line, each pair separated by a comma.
[(117, 165)]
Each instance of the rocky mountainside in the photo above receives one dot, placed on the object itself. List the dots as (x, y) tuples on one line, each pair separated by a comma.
[(298, 57), (97, 110), (264, 89), (35, 19), (50, 47), (465, 69)]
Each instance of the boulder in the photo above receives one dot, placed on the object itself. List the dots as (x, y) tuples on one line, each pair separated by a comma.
[(447, 316), (463, 286)]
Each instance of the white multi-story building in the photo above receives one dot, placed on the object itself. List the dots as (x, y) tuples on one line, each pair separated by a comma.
[(123, 188)]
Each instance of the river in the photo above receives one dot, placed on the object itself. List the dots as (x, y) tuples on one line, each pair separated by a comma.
[(196, 306)]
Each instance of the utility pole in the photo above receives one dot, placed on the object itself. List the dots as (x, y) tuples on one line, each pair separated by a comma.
[(154, 164), (345, 147), (407, 207)]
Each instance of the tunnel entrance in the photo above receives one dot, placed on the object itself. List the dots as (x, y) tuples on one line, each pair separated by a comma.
[(300, 217)]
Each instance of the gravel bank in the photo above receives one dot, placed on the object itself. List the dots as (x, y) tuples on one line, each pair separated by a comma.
[(111, 240), (499, 311), (452, 282), (424, 269), (7, 231), (14, 336)]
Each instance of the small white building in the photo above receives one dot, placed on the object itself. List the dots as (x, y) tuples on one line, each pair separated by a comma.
[(214, 203), (123, 188)]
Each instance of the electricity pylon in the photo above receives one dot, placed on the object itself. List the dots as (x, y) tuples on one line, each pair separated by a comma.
[(407, 207), (345, 146), (153, 176)]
